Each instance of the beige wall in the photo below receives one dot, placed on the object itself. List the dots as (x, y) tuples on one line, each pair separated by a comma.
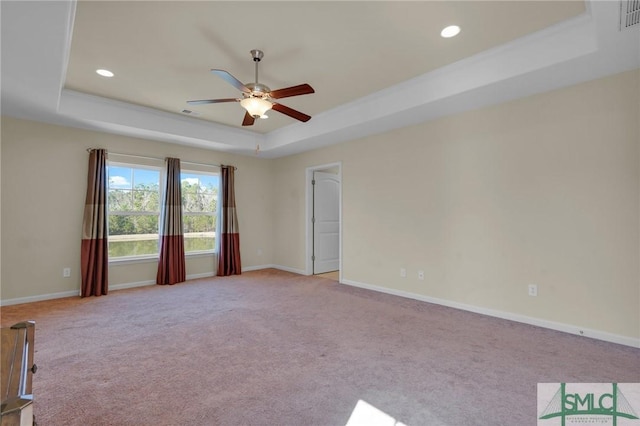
[(44, 172), (543, 190)]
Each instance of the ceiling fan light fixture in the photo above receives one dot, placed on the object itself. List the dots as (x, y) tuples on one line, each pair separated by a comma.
[(450, 31), (256, 107), (257, 98)]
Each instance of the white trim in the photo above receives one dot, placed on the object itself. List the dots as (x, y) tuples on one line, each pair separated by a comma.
[(128, 260), (271, 266), (123, 286), (288, 269), (153, 282), (200, 253), (73, 293), (256, 268), (202, 275), (582, 48), (38, 298), (566, 328), (309, 213)]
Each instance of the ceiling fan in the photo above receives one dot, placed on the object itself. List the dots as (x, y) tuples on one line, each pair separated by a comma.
[(257, 98)]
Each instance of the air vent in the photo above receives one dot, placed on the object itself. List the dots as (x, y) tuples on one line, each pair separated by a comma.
[(629, 14), (197, 114)]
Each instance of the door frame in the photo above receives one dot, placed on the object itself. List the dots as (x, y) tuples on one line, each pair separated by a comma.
[(309, 215)]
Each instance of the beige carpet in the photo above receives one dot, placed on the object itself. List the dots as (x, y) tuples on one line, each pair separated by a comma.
[(275, 348)]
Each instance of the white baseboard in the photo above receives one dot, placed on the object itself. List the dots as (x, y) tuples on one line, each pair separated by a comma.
[(123, 286), (39, 298), (115, 287), (566, 328), (72, 293), (256, 268), (271, 266), (203, 275), (292, 270), (153, 282)]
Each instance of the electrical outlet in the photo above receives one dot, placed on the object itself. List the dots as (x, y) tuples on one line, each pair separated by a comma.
[(421, 275), (66, 272), (403, 272), (259, 251), (533, 290)]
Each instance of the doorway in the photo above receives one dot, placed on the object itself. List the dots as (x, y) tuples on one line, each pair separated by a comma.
[(324, 220)]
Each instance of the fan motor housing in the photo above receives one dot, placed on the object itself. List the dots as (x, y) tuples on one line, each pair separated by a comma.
[(258, 89)]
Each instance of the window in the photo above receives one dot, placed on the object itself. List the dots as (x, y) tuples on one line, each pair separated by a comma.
[(199, 210), (133, 209), (134, 199)]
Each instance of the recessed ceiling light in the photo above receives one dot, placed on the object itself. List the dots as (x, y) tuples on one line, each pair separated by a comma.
[(104, 73), (450, 31)]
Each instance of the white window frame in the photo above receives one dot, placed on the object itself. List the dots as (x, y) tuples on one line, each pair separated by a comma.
[(161, 178), (216, 214)]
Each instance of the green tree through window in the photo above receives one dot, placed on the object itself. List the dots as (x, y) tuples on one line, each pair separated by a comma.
[(199, 210), (134, 209)]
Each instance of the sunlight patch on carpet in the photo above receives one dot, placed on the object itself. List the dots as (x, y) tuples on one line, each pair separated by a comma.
[(365, 414)]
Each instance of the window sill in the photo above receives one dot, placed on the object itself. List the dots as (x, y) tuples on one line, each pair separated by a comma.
[(133, 259), (200, 253), (154, 258)]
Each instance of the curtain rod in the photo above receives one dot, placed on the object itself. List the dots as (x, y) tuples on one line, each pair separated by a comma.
[(162, 159)]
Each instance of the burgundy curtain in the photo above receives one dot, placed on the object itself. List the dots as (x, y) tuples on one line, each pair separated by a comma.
[(94, 251), (171, 263), (229, 240)]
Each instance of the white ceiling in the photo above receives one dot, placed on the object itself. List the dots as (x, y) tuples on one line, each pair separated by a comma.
[(375, 66), (345, 50)]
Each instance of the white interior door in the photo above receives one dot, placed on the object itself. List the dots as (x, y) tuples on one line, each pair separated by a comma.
[(326, 222)]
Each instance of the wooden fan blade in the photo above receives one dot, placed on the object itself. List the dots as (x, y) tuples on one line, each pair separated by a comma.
[(212, 101), (291, 112), (231, 80), (301, 89), (248, 120)]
